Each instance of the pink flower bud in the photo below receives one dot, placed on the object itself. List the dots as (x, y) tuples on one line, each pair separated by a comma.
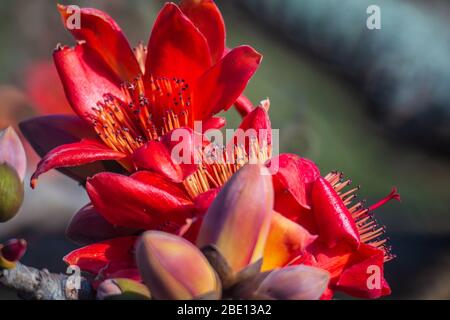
[(294, 283), (238, 221), (13, 250), (12, 151), (122, 288), (11, 192), (174, 269)]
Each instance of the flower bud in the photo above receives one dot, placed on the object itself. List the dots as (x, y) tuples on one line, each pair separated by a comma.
[(12, 151), (11, 192), (175, 269), (294, 283), (11, 252), (123, 289), (238, 221)]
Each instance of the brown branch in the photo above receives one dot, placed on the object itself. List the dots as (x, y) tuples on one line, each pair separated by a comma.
[(32, 283)]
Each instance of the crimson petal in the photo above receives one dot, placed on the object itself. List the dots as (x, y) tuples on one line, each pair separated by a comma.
[(213, 123), (203, 201), (143, 201), (172, 156), (75, 154), (258, 120), (223, 83), (176, 47), (333, 219), (113, 255), (296, 175), (79, 68), (208, 19), (364, 277), (102, 34), (243, 105)]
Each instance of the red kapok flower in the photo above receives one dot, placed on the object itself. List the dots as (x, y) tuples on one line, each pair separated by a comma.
[(152, 200), (243, 207), (132, 98), (315, 222), (335, 234)]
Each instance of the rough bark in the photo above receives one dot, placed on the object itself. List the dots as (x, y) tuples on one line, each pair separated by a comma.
[(32, 283)]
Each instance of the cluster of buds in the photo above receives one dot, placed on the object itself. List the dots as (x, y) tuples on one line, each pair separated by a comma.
[(225, 262), (12, 172)]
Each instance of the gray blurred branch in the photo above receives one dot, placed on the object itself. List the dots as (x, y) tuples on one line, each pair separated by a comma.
[(32, 283)]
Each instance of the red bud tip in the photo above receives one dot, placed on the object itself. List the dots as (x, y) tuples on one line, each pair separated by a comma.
[(13, 250)]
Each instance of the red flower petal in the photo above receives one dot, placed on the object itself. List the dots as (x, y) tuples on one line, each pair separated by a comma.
[(243, 105), (176, 47), (115, 254), (334, 221), (296, 175), (172, 156), (79, 68), (258, 120), (360, 278), (204, 200), (88, 226), (286, 204), (213, 123), (221, 85), (103, 35), (208, 19), (143, 201), (334, 260), (327, 295), (201, 203), (75, 154), (48, 132)]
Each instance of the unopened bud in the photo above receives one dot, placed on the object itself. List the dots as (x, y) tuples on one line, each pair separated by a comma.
[(174, 269), (12, 151), (11, 192), (238, 221), (294, 283), (123, 289), (11, 252)]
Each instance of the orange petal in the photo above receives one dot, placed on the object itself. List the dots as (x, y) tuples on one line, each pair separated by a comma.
[(286, 241)]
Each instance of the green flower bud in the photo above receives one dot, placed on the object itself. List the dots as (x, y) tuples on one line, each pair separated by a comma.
[(11, 192), (122, 289), (12, 151)]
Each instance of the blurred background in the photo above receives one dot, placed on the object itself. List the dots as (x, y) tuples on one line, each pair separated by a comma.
[(374, 104)]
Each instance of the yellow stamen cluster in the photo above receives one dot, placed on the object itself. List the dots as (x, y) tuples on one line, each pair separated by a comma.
[(147, 113), (215, 171)]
